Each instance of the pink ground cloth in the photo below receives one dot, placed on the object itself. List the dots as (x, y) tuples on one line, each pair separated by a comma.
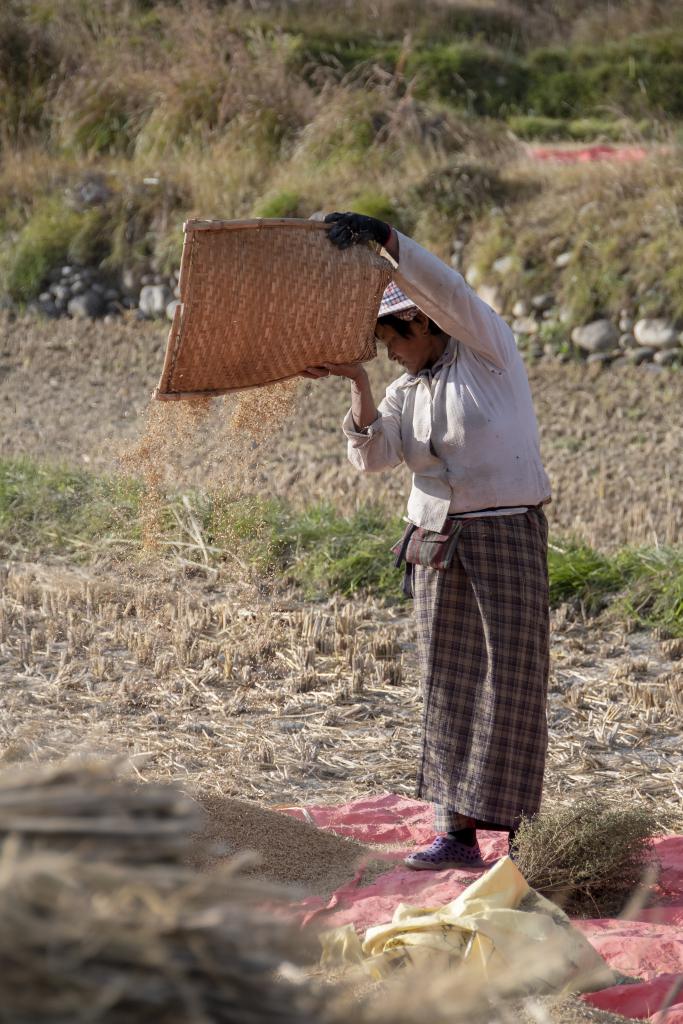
[(649, 947), (588, 154)]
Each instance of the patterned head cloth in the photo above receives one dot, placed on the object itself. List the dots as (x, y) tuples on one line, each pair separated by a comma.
[(396, 303)]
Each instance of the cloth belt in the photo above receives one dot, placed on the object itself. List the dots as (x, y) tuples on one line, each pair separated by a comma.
[(407, 583)]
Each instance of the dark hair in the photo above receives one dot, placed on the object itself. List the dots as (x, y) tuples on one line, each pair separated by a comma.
[(402, 327)]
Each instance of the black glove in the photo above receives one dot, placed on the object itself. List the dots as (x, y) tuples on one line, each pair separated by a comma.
[(353, 228)]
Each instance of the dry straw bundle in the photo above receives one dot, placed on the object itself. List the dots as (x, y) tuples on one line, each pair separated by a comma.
[(261, 300), (90, 937), (591, 857), (82, 807)]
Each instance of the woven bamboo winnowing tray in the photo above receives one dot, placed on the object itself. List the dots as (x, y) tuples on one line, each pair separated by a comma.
[(261, 300)]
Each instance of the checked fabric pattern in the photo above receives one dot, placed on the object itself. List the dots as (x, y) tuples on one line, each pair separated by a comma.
[(396, 302), (483, 642)]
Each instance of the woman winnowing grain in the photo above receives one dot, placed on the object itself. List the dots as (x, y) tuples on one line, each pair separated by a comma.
[(461, 417)]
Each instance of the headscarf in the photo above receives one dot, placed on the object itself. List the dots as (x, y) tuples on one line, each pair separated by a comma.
[(396, 303)]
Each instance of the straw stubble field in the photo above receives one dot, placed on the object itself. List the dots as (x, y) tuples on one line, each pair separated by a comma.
[(235, 686), (235, 693)]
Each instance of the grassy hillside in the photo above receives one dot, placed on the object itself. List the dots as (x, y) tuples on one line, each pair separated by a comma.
[(412, 112)]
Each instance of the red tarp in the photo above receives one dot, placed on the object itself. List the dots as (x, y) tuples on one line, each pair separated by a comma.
[(648, 946), (587, 154)]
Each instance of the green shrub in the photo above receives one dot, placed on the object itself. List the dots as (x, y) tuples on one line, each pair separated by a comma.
[(642, 585), (532, 126), (342, 51), (556, 87), (475, 78), (317, 548), (638, 75), (449, 199), (28, 62), (462, 189), (324, 28), (578, 572), (497, 25), (168, 248), (279, 204), (336, 554), (657, 273), (585, 129), (254, 528), (342, 133), (654, 595), (100, 118), (191, 113), (54, 233), (265, 130), (145, 223)]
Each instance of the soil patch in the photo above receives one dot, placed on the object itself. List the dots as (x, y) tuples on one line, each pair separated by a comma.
[(574, 1011), (291, 852)]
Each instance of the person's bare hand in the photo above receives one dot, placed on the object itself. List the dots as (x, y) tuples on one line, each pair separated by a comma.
[(353, 371)]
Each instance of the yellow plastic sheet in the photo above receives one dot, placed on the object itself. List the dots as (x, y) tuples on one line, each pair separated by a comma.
[(498, 931)]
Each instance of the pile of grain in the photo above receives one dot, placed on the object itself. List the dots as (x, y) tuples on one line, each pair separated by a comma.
[(290, 852)]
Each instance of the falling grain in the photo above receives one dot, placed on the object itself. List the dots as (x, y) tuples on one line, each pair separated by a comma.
[(227, 436)]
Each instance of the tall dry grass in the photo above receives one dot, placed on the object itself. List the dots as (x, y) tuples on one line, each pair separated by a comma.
[(253, 112), (621, 222)]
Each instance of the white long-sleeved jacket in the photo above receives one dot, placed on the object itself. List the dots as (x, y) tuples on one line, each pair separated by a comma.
[(470, 434)]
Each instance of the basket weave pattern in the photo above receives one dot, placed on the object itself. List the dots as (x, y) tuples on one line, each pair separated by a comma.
[(262, 300)]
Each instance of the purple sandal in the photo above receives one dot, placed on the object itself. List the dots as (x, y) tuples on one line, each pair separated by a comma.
[(445, 852)]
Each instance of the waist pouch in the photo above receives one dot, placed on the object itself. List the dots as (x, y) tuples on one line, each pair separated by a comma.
[(418, 546)]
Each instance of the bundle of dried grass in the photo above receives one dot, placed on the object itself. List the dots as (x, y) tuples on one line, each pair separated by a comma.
[(99, 921), (87, 807), (589, 857), (88, 940)]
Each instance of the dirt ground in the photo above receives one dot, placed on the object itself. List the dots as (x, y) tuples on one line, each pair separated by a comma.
[(612, 441), (236, 688)]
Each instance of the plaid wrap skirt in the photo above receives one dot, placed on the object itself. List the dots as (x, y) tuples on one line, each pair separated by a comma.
[(483, 643)]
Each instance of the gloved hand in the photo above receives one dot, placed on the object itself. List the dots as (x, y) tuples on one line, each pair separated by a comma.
[(353, 228)]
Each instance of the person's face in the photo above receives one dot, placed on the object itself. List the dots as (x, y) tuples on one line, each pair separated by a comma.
[(415, 350)]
